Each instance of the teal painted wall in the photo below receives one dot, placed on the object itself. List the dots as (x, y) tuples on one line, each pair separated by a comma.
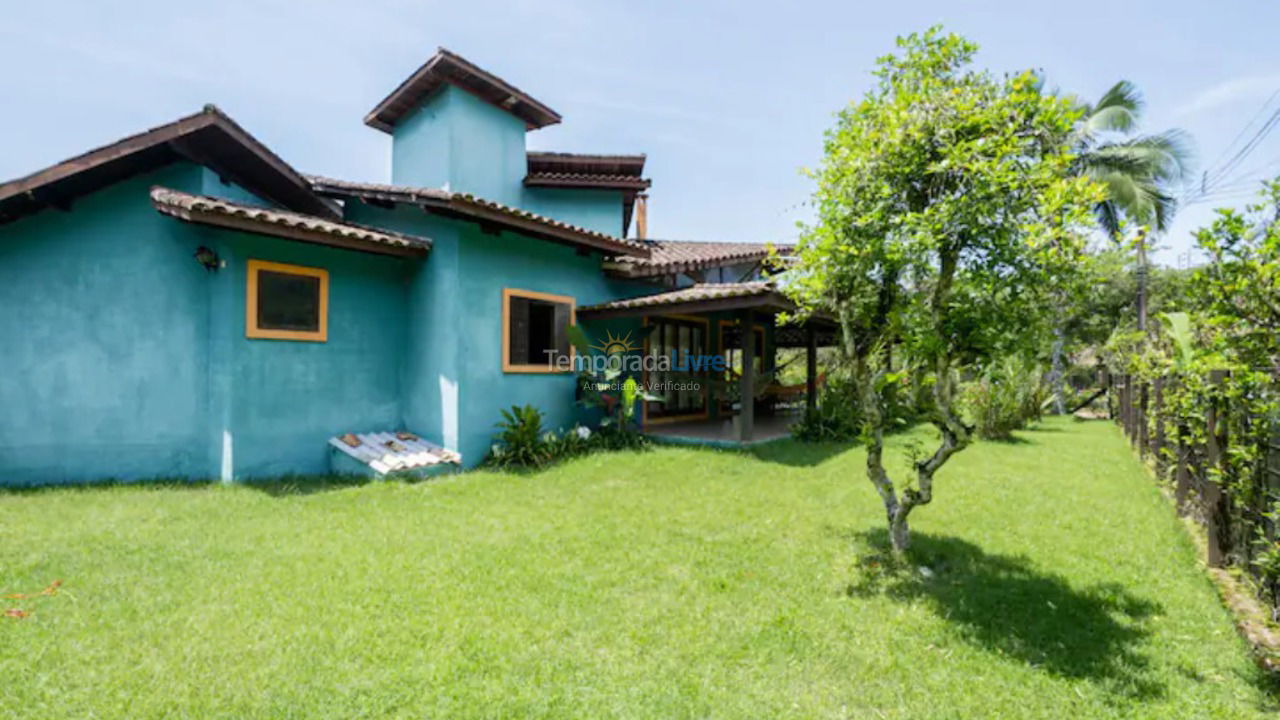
[(455, 140), (288, 397), (458, 141), (454, 384), (491, 263), (123, 358), (102, 324), (213, 185), (599, 210)]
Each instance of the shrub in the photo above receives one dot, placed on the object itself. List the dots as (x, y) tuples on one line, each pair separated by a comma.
[(1006, 397), (611, 436), (837, 417), (521, 442)]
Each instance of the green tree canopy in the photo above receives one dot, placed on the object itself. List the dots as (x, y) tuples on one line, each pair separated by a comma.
[(948, 212)]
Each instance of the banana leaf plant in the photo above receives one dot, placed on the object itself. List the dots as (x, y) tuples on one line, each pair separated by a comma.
[(604, 389)]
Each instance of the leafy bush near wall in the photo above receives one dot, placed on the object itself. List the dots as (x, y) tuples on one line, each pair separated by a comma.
[(1007, 396), (522, 442)]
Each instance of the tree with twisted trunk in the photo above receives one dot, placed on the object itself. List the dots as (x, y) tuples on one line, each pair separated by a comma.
[(948, 217)]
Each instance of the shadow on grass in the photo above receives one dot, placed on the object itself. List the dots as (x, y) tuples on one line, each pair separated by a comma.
[(1014, 439), (295, 485), (799, 454), (1003, 604), (99, 485)]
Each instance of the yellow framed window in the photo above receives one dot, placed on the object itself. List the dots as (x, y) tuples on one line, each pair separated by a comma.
[(286, 302), (535, 336)]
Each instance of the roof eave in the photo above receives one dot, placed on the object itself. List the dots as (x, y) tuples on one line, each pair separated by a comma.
[(474, 209), (763, 301), (410, 247), (588, 183)]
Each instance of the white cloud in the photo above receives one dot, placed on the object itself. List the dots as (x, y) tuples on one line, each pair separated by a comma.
[(1253, 87)]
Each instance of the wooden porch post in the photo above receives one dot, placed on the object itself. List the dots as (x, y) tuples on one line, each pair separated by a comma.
[(811, 368), (746, 381)]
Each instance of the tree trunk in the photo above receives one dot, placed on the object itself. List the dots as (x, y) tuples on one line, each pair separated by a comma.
[(899, 533), (1058, 372)]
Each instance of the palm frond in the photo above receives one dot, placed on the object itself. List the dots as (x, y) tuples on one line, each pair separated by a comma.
[(1165, 158), (1137, 198), (1123, 94), (1108, 218)]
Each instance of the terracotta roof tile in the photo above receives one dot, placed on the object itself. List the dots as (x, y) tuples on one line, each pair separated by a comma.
[(565, 179), (212, 211), (669, 257), (477, 208), (696, 293)]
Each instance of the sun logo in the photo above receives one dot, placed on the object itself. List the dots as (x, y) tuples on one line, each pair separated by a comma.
[(616, 345)]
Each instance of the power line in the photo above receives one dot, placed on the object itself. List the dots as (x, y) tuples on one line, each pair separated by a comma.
[(1249, 147), (1261, 111)]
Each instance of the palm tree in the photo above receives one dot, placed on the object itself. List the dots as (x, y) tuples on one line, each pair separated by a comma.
[(1139, 172)]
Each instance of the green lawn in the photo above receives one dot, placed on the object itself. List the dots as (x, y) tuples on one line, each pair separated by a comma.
[(667, 584)]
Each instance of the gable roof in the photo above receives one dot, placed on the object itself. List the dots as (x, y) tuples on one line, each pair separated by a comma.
[(208, 137), (485, 212), (229, 215), (447, 68), (671, 257)]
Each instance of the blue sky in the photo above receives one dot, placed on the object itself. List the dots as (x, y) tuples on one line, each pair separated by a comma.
[(728, 99)]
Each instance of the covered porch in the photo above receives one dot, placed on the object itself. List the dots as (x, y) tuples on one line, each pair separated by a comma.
[(743, 399)]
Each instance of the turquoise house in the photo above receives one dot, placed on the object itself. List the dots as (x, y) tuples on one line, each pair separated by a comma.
[(183, 303)]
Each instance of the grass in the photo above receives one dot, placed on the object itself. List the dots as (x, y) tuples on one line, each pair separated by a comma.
[(668, 584)]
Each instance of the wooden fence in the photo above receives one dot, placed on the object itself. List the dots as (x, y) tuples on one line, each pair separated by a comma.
[(1238, 525)]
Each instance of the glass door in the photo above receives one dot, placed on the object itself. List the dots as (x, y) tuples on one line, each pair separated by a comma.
[(679, 344)]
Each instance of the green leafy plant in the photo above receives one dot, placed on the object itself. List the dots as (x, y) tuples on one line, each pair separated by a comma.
[(521, 441), (1007, 396), (607, 390)]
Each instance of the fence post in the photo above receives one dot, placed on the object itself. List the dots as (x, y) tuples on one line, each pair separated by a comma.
[(1182, 470), (1157, 442), (1104, 379), (1129, 424), (1122, 401), (1143, 433), (1214, 499)]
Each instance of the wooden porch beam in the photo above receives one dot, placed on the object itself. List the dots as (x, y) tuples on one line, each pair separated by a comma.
[(811, 368), (746, 381)]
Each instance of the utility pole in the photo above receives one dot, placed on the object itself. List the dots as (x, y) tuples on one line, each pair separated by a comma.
[(1142, 278)]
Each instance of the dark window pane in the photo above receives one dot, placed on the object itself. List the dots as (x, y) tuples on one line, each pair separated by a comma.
[(288, 302), (518, 327), (542, 331), (536, 327)]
